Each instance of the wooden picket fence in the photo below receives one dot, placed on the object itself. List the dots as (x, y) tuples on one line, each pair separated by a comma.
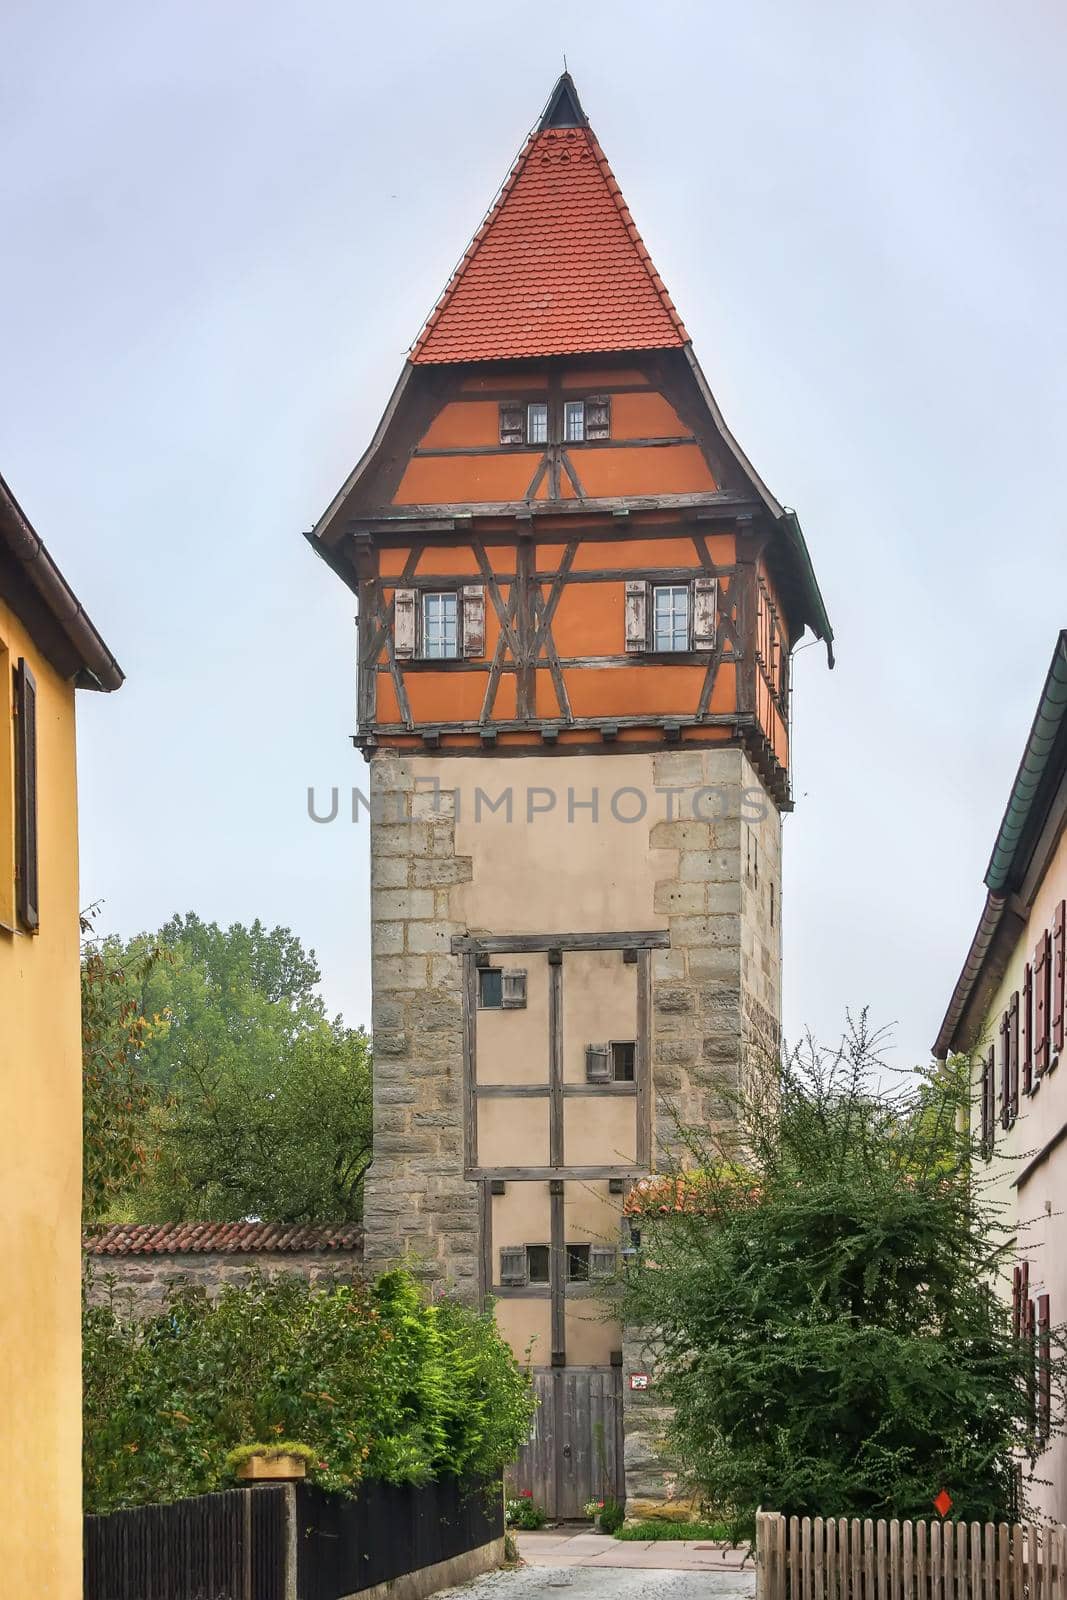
[(816, 1558)]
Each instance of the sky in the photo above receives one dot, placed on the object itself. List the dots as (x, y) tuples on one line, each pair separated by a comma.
[(224, 224)]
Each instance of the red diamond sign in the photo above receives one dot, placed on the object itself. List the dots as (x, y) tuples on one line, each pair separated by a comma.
[(943, 1503)]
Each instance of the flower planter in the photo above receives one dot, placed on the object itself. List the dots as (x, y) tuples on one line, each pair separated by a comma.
[(272, 1469)]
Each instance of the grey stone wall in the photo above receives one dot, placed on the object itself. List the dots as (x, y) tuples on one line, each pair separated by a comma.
[(138, 1284), (417, 1205)]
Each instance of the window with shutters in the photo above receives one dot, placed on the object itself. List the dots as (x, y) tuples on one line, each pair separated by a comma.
[(26, 865), (537, 422), (623, 1055), (490, 989), (670, 616), (440, 626)]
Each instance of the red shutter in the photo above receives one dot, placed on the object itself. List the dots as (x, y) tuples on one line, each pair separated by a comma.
[(26, 868), (1059, 953), (1042, 987), (1044, 1374), (1013, 1054), (1028, 1029)]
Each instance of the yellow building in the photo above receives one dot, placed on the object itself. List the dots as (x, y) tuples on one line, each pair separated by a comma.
[(48, 648), (1008, 1011)]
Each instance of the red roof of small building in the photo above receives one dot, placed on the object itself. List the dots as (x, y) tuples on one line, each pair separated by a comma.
[(225, 1238), (558, 266)]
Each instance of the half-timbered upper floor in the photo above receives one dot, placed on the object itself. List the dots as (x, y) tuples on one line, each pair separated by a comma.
[(555, 540)]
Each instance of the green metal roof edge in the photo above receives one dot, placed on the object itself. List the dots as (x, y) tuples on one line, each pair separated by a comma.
[(821, 621), (1050, 720)]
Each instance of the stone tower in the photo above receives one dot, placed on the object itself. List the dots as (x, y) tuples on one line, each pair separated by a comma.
[(577, 603)]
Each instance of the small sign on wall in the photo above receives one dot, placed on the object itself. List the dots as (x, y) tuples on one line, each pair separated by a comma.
[(639, 1380)]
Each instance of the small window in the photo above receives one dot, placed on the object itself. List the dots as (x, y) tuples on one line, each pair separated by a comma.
[(574, 421), (537, 1270), (511, 429), (598, 417), (623, 1052), (490, 989), (670, 629), (537, 422), (440, 626), (577, 1263)]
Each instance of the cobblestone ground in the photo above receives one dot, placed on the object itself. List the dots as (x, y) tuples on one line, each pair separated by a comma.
[(605, 1583)]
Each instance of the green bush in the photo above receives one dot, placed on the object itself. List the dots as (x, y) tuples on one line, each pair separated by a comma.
[(378, 1384), (612, 1516), (524, 1512), (719, 1532)]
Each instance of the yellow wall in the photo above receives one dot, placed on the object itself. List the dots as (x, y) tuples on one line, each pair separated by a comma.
[(40, 1163)]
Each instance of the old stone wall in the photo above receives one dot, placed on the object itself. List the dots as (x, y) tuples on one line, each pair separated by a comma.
[(138, 1284)]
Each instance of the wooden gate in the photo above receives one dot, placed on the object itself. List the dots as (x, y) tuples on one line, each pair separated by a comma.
[(574, 1453)]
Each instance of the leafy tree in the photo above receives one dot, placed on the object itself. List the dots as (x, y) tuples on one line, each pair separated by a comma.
[(251, 1099), (819, 1283), (377, 1381), (115, 1094)]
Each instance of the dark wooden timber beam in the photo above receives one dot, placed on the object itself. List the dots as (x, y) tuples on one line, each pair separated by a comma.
[(491, 944)]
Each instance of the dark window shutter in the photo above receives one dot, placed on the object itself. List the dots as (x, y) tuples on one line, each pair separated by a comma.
[(1059, 961), (26, 850), (513, 1265), (1028, 1029), (597, 1063), (512, 423), (1013, 1055), (1016, 1301), (1042, 974), (1005, 1074), (988, 1092), (598, 417), (602, 1261), (513, 989), (1044, 1374)]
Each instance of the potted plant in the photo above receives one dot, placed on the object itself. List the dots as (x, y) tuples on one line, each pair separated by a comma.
[(284, 1462)]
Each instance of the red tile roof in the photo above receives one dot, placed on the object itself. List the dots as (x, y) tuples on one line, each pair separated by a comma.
[(229, 1238), (556, 268)]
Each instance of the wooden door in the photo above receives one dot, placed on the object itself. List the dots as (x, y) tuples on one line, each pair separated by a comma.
[(574, 1453)]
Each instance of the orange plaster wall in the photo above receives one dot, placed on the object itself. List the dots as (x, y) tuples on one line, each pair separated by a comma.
[(622, 691), (463, 422), (452, 480), (645, 416), (590, 620), (656, 469), (445, 696)]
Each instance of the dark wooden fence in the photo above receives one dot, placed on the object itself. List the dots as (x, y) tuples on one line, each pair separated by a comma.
[(274, 1542), (230, 1546)]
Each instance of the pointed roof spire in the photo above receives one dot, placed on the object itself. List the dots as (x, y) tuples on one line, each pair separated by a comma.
[(564, 109), (558, 266)]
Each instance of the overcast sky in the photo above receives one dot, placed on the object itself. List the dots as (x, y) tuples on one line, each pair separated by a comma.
[(223, 225)]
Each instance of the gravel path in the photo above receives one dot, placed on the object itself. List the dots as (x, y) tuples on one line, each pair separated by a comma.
[(604, 1583)]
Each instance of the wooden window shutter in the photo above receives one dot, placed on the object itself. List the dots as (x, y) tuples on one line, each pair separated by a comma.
[(636, 615), (473, 620), (26, 849), (512, 423), (513, 1265), (1044, 1374), (404, 624), (1059, 965), (1013, 1055), (1042, 974), (705, 595), (987, 1093), (602, 1261), (1005, 1074), (513, 988), (598, 1063), (598, 417), (1028, 1029), (1016, 1301)]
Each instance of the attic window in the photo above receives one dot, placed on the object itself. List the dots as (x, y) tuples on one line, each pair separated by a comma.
[(537, 422), (440, 626), (670, 617)]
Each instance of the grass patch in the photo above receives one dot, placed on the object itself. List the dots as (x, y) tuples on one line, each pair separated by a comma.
[(677, 1530)]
